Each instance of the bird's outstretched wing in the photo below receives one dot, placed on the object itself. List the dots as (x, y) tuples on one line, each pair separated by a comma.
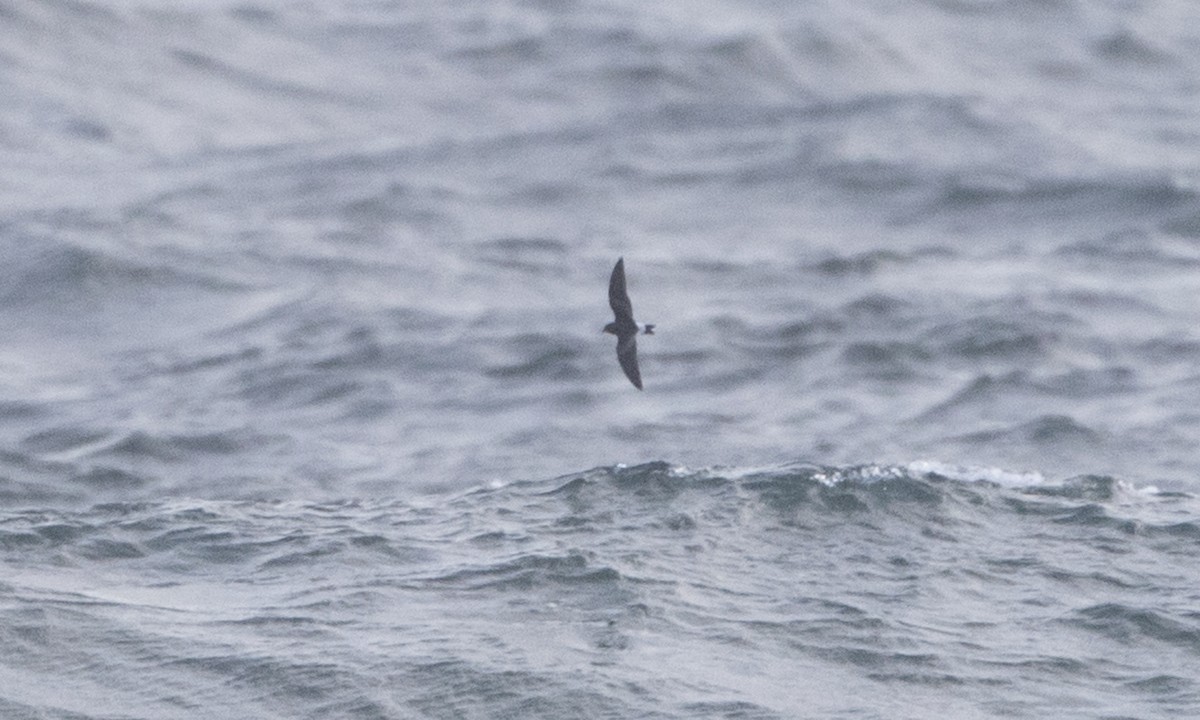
[(619, 299), (627, 355)]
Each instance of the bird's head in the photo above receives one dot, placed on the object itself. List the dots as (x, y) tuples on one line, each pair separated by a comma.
[(610, 328)]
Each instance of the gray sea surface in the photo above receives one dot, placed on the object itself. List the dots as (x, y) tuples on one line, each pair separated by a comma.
[(305, 411)]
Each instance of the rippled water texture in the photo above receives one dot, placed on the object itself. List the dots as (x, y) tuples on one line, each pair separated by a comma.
[(648, 591), (301, 309)]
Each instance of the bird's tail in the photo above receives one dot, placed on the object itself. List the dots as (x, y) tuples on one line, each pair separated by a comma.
[(649, 329)]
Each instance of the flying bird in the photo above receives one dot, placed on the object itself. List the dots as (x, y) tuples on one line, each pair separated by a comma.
[(624, 326)]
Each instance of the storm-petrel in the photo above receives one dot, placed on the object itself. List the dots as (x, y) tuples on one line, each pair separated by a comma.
[(624, 327)]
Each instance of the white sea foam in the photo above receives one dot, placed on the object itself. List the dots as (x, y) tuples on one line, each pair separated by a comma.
[(1000, 476)]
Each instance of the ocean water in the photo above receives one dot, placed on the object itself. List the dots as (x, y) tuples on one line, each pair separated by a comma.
[(305, 411)]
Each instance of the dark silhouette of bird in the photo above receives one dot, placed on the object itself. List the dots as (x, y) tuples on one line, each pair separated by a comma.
[(624, 326)]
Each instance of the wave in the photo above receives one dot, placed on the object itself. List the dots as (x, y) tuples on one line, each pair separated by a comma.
[(650, 487), (1059, 431), (1132, 625), (57, 271), (819, 490), (1111, 192)]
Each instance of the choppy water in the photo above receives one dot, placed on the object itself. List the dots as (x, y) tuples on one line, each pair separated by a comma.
[(305, 410)]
